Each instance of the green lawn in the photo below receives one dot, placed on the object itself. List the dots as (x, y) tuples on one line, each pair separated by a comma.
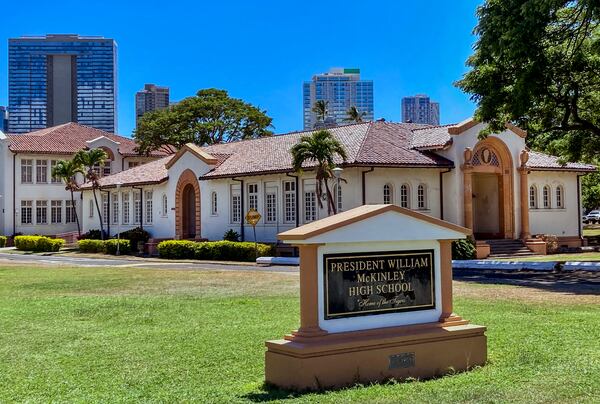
[(591, 231), (123, 335)]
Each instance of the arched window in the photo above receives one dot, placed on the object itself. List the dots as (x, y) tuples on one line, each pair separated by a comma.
[(404, 196), (214, 207), (337, 192), (533, 203), (546, 197), (388, 195), (164, 205), (422, 196), (560, 197)]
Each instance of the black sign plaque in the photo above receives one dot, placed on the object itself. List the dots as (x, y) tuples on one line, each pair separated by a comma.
[(371, 283)]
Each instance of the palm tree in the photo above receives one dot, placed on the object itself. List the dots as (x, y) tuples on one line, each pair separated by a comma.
[(321, 109), (91, 161), (67, 171), (354, 115), (320, 147)]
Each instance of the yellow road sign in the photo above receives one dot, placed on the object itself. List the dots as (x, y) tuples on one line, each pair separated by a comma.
[(253, 217)]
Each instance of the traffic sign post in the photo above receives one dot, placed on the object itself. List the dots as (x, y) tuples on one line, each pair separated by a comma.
[(252, 218)]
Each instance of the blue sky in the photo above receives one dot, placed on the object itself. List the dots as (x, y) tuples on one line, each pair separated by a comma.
[(262, 51)]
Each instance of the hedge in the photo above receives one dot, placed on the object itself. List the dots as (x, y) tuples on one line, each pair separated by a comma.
[(3, 241), (106, 246), (38, 243), (212, 250), (463, 249)]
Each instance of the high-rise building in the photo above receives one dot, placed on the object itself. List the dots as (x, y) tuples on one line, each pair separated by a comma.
[(61, 78), (420, 109), (342, 89), (3, 119), (151, 98)]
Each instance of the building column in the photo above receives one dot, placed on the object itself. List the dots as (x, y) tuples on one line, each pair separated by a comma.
[(525, 234), (468, 188)]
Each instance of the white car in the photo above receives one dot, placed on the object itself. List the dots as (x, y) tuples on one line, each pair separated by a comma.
[(592, 217)]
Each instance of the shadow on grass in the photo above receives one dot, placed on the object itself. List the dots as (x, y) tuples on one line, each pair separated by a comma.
[(576, 282)]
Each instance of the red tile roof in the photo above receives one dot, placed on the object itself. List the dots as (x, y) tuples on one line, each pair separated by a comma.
[(68, 139), (150, 173), (541, 161)]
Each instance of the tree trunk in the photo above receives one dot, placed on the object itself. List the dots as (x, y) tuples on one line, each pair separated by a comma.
[(331, 203), (99, 214), (76, 215)]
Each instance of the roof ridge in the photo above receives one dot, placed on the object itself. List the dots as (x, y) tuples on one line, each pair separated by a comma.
[(435, 126)]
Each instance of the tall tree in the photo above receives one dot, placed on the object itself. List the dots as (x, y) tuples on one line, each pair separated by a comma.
[(211, 117), (354, 115), (536, 64), (320, 148), (92, 161), (67, 171), (321, 109)]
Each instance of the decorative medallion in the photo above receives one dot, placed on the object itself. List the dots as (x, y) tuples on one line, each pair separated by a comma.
[(486, 156)]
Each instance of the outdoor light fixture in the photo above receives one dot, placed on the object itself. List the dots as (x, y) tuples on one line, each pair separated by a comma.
[(337, 172)]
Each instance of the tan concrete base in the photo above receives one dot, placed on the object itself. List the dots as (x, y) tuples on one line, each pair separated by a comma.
[(482, 250), (537, 246), (570, 241), (338, 360)]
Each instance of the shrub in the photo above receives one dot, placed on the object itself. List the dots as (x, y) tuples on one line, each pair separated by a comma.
[(212, 250), (463, 249), (38, 243), (91, 246), (136, 236), (111, 246), (551, 243), (3, 241), (91, 235), (231, 235)]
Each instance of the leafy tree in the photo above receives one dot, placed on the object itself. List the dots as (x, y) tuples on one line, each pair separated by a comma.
[(67, 171), (354, 115), (211, 117), (536, 64), (320, 147), (91, 161), (321, 109), (590, 190)]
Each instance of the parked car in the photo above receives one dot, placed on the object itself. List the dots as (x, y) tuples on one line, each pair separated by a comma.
[(592, 217)]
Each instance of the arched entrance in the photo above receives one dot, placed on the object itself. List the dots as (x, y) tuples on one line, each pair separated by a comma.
[(488, 192), (187, 206)]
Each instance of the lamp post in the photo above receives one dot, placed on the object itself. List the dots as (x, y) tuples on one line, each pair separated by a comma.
[(337, 173), (118, 218)]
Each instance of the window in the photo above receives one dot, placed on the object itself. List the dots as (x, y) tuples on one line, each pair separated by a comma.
[(236, 208), (27, 171), (310, 206), (41, 212), (289, 192), (55, 212), (149, 207), (214, 204), (546, 196), (26, 212), (92, 207), (137, 208), (560, 201), (422, 196), (271, 206), (41, 171), (132, 164), (165, 206), (404, 196), (387, 194), (115, 208), (54, 180), (125, 199), (533, 197), (253, 196), (70, 212), (337, 191), (104, 208)]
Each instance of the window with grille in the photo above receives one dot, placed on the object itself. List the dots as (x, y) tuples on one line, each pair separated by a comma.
[(560, 201), (253, 196), (338, 198), (289, 199), (532, 197), (137, 208), (26, 212), (149, 207), (41, 171), (236, 208), (55, 212), (132, 164), (165, 206), (41, 212), (125, 207), (27, 171), (310, 206), (546, 196), (422, 197), (115, 208), (387, 194), (404, 196), (69, 212), (271, 207), (104, 208), (214, 204), (54, 180)]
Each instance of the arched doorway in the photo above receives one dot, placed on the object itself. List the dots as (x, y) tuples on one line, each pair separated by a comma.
[(187, 207), (488, 181)]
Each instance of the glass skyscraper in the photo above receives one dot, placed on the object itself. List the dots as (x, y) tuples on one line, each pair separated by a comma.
[(343, 89), (56, 79), (420, 109)]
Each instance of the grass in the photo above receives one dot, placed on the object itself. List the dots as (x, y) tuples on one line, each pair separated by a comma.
[(591, 231), (130, 334), (588, 256)]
